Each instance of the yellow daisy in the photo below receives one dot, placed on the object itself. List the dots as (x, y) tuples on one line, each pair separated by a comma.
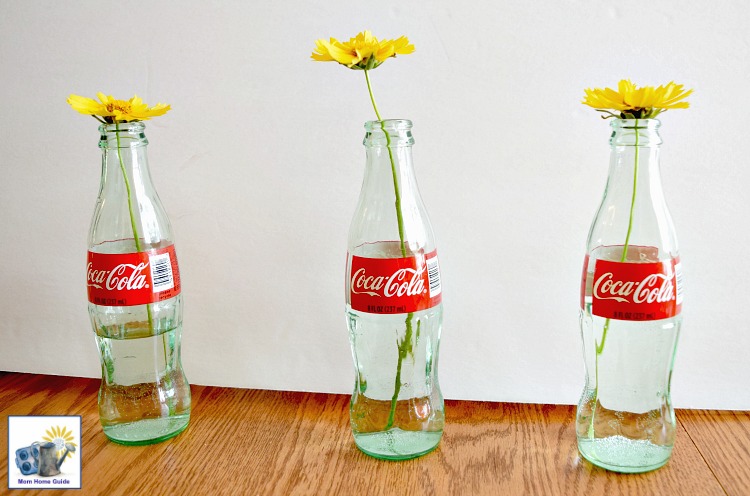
[(364, 51), (111, 110), (637, 103)]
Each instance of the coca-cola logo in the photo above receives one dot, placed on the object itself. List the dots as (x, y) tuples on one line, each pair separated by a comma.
[(123, 277), (394, 285), (136, 278), (654, 288), (403, 282)]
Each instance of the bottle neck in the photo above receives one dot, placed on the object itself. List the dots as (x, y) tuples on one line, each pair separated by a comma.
[(124, 156), (128, 207), (634, 173), (633, 220), (390, 209), (389, 169)]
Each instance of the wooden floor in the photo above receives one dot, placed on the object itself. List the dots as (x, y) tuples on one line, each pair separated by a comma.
[(244, 441)]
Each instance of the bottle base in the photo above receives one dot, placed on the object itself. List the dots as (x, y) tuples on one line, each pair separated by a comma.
[(396, 444), (147, 431), (620, 454)]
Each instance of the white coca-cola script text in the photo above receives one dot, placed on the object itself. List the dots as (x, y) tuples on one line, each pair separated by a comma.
[(409, 282), (122, 277), (653, 288)]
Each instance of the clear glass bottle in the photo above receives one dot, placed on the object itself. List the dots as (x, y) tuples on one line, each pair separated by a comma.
[(631, 299), (393, 304), (135, 303)]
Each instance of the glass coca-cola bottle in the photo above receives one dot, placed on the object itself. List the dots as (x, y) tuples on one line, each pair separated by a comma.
[(631, 298), (393, 304), (135, 303)]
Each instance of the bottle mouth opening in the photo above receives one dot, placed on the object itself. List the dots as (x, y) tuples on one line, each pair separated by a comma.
[(122, 135), (388, 125), (628, 132), (123, 127), (388, 132)]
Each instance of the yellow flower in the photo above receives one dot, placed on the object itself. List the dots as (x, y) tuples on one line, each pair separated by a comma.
[(61, 437), (637, 103), (111, 110), (364, 51)]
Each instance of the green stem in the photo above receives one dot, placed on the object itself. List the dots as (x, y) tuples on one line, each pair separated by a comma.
[(404, 346), (399, 215), (372, 98), (394, 173), (632, 200), (136, 237), (623, 257), (403, 351)]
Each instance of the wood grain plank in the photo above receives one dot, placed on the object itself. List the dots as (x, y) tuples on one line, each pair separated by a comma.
[(723, 439), (271, 442), (531, 449)]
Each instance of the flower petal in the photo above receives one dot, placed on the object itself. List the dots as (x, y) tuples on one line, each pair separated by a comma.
[(85, 105)]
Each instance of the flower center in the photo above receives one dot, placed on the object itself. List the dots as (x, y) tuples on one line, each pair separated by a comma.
[(120, 106)]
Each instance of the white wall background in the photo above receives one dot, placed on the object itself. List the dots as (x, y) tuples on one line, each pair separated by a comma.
[(260, 162)]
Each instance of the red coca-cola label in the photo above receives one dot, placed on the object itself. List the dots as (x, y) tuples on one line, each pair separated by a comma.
[(126, 279), (395, 285), (636, 291)]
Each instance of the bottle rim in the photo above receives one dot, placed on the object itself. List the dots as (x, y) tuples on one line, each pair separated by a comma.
[(389, 125), (635, 124), (128, 134), (388, 132), (124, 127), (628, 132)]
